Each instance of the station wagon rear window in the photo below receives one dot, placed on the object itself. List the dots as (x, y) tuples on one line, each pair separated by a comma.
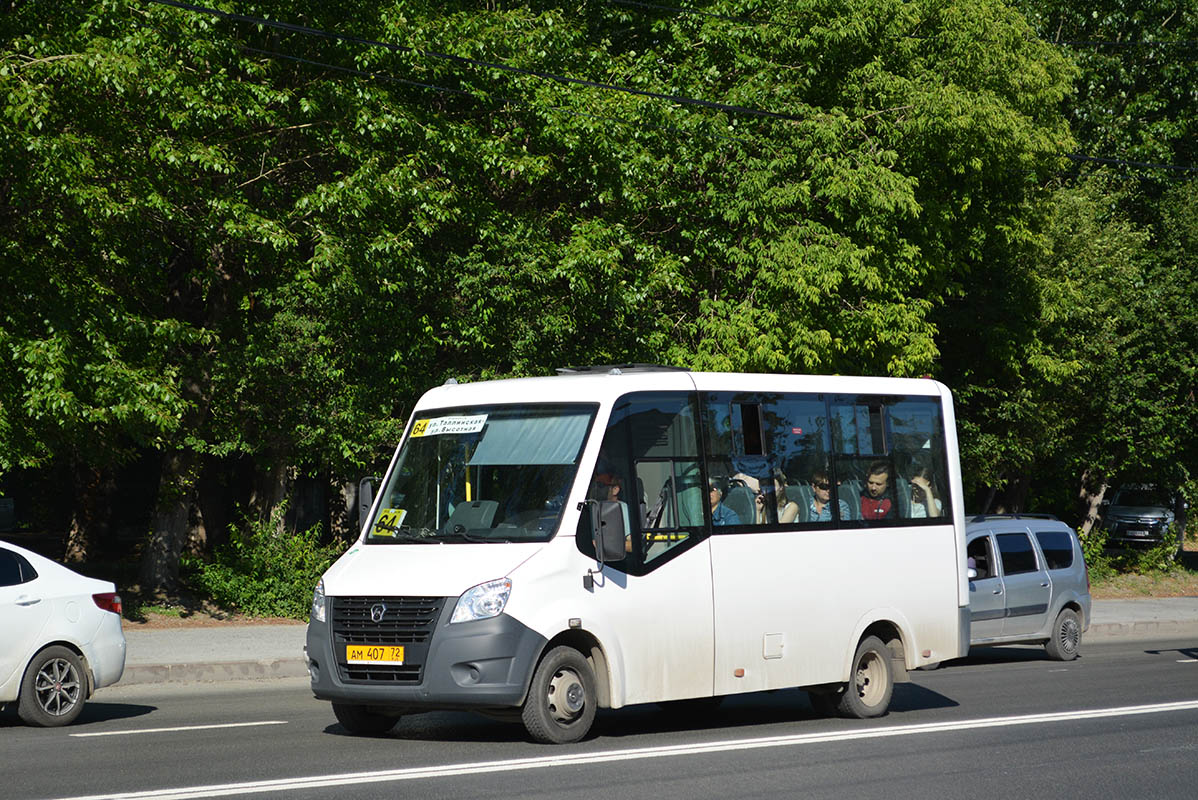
[(1057, 547)]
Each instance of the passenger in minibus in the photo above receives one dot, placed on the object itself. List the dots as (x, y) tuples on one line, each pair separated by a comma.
[(924, 502), (820, 508), (787, 509), (720, 513), (876, 502)]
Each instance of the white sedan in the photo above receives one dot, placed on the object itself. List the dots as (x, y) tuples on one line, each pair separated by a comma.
[(60, 637)]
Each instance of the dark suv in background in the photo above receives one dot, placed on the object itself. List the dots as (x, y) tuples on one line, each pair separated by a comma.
[(1140, 513)]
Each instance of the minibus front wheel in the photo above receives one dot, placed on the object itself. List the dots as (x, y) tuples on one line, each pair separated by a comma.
[(562, 699)]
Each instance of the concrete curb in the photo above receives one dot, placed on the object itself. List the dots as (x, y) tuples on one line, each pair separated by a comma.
[(1143, 629), (212, 672)]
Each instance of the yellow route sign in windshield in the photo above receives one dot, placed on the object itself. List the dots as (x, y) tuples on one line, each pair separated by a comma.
[(438, 426), (388, 521)]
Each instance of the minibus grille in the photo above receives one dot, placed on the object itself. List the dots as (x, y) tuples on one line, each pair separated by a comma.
[(406, 621)]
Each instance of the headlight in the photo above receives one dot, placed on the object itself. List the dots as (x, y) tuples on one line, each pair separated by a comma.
[(483, 601), (318, 612)]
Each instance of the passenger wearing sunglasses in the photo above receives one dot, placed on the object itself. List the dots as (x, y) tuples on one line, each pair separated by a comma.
[(820, 509)]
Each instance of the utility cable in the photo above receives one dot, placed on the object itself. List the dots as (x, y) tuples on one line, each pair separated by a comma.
[(474, 62)]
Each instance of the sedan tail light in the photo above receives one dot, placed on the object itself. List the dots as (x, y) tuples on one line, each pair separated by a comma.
[(108, 601)]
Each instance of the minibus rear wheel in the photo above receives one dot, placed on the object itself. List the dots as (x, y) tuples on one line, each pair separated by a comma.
[(364, 721), (871, 682), (562, 699)]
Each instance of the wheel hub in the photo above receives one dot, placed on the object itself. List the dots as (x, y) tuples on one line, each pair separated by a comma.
[(57, 687), (566, 696), (867, 688)]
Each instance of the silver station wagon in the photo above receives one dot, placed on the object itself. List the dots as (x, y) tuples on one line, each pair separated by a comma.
[(1028, 583)]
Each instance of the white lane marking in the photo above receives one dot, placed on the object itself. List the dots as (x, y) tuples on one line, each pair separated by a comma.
[(606, 756), (1187, 661), (184, 728)]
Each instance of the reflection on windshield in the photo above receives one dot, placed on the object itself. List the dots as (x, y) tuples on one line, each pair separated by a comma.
[(489, 474), (1142, 497)]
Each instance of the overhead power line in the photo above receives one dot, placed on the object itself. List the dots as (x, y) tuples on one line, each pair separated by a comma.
[(380, 76), (474, 62), (682, 100), (694, 11), (1124, 163), (1097, 43)]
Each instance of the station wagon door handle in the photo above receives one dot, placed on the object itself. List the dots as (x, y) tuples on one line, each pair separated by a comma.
[(1045, 584), (997, 591), (26, 600)]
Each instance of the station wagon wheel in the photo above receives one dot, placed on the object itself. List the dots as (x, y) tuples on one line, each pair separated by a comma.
[(54, 688), (562, 699), (871, 682), (1066, 636)]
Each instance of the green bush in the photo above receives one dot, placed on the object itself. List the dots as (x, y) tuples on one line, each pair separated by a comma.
[(265, 570), (1095, 552), (1105, 561)]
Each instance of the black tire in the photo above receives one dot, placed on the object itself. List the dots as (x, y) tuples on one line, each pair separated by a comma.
[(1066, 638), (871, 682), (363, 721), (54, 688), (562, 699)]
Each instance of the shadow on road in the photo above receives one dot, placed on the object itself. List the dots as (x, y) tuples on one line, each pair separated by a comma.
[(93, 712), (780, 707), (1185, 652), (105, 712)]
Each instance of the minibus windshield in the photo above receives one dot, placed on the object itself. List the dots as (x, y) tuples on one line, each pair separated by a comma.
[(482, 474)]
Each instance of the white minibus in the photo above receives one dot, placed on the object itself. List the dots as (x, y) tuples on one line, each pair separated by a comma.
[(541, 548)]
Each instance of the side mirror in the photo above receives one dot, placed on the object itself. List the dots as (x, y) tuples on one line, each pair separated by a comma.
[(365, 499), (608, 529)]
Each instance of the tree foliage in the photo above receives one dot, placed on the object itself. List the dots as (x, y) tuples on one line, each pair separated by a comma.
[(254, 235)]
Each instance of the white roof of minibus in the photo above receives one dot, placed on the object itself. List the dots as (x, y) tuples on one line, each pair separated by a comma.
[(605, 387)]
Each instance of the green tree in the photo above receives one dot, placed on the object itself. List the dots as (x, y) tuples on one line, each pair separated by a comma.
[(1110, 373), (291, 235)]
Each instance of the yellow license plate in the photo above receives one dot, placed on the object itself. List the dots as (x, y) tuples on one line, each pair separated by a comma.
[(374, 654)]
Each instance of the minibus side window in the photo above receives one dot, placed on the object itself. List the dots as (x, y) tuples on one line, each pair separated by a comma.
[(649, 463)]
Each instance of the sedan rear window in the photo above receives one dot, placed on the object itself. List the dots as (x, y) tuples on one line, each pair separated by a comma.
[(1057, 547)]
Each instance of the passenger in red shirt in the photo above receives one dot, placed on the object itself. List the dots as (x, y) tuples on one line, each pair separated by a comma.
[(876, 503)]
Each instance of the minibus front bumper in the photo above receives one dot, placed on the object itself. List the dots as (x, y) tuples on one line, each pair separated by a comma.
[(466, 665)]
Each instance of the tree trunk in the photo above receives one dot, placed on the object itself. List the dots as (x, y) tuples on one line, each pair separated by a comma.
[(1089, 497), (214, 503), (270, 489), (176, 490), (92, 489), (1016, 494), (988, 503)]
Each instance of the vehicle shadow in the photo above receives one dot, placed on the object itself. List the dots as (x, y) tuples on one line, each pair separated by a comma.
[(106, 712), (93, 712), (1189, 652), (779, 707), (1002, 655)]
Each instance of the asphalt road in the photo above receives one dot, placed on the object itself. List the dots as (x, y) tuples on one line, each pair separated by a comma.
[(1122, 721)]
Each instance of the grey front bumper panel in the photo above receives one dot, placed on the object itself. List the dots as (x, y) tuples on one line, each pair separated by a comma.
[(481, 664)]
